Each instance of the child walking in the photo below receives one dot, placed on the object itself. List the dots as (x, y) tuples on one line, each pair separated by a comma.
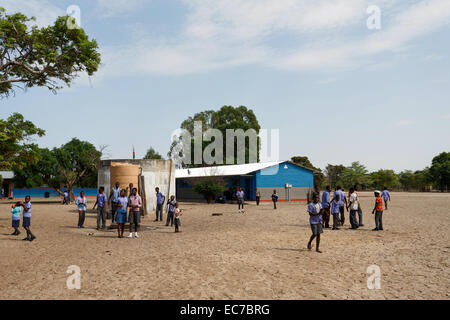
[(81, 203), (177, 221), (15, 210), (274, 199), (315, 219), (121, 215), (26, 223)]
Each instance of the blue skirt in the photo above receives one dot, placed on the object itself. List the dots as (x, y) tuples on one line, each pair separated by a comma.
[(15, 223), (121, 217)]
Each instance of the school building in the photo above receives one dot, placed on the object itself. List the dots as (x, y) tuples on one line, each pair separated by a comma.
[(291, 181)]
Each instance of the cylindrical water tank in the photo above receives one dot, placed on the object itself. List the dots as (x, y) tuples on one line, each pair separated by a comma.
[(124, 173)]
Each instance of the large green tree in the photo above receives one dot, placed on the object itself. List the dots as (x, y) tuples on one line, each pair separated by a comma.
[(16, 142), (355, 174), (440, 171), (332, 173), (418, 180), (228, 117), (73, 164), (45, 57), (384, 178)]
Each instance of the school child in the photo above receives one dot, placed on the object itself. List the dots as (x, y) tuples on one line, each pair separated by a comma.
[(353, 205), (326, 207), (177, 220), (101, 203), (240, 199), (315, 220), (274, 199), (65, 197), (257, 197), (342, 203), (386, 196), (121, 214), (160, 198), (81, 203), (335, 210), (134, 217), (378, 211), (360, 212), (171, 210), (26, 215), (15, 210)]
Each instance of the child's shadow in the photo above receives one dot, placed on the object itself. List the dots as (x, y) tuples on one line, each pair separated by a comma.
[(289, 249)]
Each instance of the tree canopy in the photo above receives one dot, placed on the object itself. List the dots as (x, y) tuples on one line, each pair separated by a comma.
[(440, 170), (16, 137), (152, 154), (355, 174), (384, 178), (228, 117), (73, 164), (45, 57)]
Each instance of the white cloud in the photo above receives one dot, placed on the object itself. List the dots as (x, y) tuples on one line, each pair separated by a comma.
[(285, 34), (44, 11), (111, 8), (330, 33)]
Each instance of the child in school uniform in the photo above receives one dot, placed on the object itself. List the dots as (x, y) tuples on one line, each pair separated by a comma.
[(170, 214), (335, 210), (15, 210), (26, 222), (274, 199), (121, 215), (81, 203), (177, 215)]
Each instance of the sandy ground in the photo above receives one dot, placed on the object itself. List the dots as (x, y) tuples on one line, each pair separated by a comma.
[(259, 255)]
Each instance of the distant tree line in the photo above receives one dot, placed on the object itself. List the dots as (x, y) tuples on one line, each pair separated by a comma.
[(434, 177)]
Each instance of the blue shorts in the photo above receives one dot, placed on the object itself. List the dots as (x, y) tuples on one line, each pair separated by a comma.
[(26, 222), (16, 223)]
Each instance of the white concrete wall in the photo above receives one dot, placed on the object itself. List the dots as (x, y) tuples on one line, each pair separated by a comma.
[(155, 172)]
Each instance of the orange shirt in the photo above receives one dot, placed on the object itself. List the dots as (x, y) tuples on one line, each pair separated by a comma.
[(379, 204)]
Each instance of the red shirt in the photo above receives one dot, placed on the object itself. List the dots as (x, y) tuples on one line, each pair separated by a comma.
[(379, 204)]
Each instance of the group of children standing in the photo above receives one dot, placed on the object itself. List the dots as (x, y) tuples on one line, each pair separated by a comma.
[(26, 218), (240, 196), (319, 212), (128, 209)]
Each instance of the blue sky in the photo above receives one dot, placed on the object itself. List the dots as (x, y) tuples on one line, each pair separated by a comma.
[(337, 91)]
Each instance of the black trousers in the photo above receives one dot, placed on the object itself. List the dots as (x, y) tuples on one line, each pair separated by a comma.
[(342, 212), (81, 217), (257, 200)]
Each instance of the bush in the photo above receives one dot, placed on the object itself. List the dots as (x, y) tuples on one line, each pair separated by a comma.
[(209, 187)]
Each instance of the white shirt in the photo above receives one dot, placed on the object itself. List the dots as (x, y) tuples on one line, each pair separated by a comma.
[(354, 201)]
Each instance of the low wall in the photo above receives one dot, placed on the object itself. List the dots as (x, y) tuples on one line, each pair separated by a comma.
[(40, 192)]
